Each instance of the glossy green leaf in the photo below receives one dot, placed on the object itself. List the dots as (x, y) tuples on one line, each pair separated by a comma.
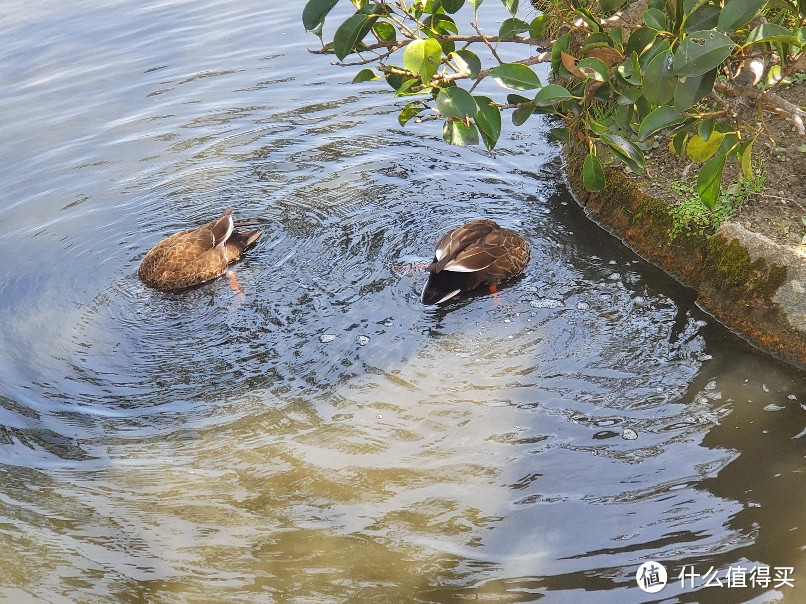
[(700, 150), (365, 75), (594, 69), (512, 27), (538, 27), (692, 89), (515, 76), (511, 6), (468, 62), (709, 180), (593, 177), (314, 13), (385, 31), (560, 134), (351, 32), (705, 128), (627, 151), (641, 39), (456, 102), (701, 19), (658, 119), (770, 32), (679, 141), (738, 13), (475, 4), (422, 58), (452, 6), (551, 94), (701, 52), (410, 111), (522, 113), (488, 119), (560, 45), (630, 70), (659, 83), (655, 19), (455, 132), (658, 46), (441, 24), (611, 5)]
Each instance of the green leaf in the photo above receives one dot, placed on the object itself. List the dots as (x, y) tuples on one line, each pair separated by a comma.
[(709, 180), (678, 140), (511, 6), (452, 6), (488, 119), (512, 27), (641, 39), (352, 31), (560, 45), (422, 58), (744, 159), (705, 128), (515, 76), (475, 4), (385, 31), (700, 150), (738, 13), (538, 27), (659, 83), (658, 46), (411, 110), (594, 69), (630, 70), (701, 52), (551, 94), (455, 132), (365, 75), (468, 62), (593, 177), (561, 134), (770, 32), (703, 18), (522, 113), (314, 13), (457, 103), (655, 19), (660, 118), (611, 5), (626, 151), (692, 89)]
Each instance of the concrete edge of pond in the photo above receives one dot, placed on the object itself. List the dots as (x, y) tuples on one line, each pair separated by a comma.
[(753, 285)]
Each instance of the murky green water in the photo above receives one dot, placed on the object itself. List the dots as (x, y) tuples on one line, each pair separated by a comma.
[(326, 438)]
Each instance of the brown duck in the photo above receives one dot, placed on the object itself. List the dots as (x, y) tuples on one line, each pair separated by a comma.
[(478, 253), (195, 256)]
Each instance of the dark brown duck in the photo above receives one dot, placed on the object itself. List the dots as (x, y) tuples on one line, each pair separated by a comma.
[(478, 253), (195, 256)]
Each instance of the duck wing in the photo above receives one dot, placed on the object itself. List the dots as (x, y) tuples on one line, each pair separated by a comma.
[(456, 242)]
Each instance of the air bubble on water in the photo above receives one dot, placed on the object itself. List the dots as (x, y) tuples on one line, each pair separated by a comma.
[(629, 434), (362, 340), (327, 337), (583, 306)]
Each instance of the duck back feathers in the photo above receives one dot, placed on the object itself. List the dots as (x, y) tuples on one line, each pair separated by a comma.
[(195, 256), (477, 253)]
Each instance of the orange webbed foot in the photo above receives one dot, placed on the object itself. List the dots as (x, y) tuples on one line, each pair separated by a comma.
[(236, 287)]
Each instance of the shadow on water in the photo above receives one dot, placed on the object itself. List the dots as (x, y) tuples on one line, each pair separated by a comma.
[(325, 437)]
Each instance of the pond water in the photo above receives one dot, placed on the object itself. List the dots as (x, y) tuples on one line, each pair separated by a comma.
[(324, 437)]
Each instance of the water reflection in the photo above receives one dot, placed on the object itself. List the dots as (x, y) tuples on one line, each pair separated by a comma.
[(326, 437)]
